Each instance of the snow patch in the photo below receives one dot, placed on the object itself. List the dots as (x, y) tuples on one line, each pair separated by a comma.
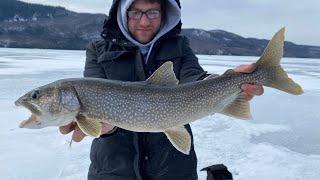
[(44, 154)]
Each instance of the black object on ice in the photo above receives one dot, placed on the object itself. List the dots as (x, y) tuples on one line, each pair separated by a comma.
[(218, 172)]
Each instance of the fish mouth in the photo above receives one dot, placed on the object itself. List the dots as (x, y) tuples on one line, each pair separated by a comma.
[(31, 119), (34, 109), (35, 112)]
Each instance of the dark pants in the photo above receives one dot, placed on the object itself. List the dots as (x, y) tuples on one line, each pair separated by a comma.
[(127, 155)]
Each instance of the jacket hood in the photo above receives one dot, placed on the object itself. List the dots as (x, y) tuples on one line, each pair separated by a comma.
[(112, 30), (171, 18)]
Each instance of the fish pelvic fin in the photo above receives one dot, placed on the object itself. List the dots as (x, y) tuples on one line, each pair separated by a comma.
[(89, 126), (179, 138), (239, 108), (269, 62)]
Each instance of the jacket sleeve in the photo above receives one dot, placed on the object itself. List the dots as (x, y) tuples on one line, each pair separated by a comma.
[(190, 70), (92, 68)]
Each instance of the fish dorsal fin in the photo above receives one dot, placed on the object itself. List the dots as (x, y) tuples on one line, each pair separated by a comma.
[(239, 108), (89, 126), (179, 138), (164, 75)]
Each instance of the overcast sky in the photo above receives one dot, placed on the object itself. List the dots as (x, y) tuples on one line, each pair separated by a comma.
[(248, 18)]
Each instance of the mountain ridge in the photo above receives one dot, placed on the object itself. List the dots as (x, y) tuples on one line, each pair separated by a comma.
[(26, 25)]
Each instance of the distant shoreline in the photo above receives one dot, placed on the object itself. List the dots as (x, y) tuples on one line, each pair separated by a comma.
[(42, 49)]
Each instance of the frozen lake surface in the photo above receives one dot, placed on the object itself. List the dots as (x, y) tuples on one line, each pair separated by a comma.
[(282, 141)]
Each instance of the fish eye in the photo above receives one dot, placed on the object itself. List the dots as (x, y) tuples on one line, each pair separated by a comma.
[(35, 94)]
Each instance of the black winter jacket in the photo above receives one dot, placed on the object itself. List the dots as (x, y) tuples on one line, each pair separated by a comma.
[(126, 155)]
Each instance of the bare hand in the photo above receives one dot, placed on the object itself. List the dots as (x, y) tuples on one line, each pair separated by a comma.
[(78, 135), (250, 89)]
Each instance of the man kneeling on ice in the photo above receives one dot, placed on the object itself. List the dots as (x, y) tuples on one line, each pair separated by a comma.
[(137, 38)]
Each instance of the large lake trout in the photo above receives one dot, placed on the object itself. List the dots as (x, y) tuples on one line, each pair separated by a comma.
[(158, 104)]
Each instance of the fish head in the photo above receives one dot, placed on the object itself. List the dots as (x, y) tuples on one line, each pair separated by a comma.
[(54, 104)]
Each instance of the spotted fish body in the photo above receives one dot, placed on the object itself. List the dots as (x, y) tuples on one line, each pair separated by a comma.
[(156, 105), (147, 107)]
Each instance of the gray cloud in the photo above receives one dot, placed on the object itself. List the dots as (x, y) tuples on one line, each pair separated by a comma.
[(252, 18), (91, 6), (249, 18)]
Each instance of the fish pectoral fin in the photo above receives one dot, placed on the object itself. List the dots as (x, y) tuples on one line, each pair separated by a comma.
[(164, 75), (239, 108), (179, 138), (89, 126)]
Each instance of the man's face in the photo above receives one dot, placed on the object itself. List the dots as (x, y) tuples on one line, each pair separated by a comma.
[(144, 29)]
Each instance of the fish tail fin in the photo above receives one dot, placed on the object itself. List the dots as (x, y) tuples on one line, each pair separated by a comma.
[(270, 63), (273, 74)]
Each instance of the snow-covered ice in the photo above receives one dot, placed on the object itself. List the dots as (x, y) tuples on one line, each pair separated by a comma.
[(282, 141)]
